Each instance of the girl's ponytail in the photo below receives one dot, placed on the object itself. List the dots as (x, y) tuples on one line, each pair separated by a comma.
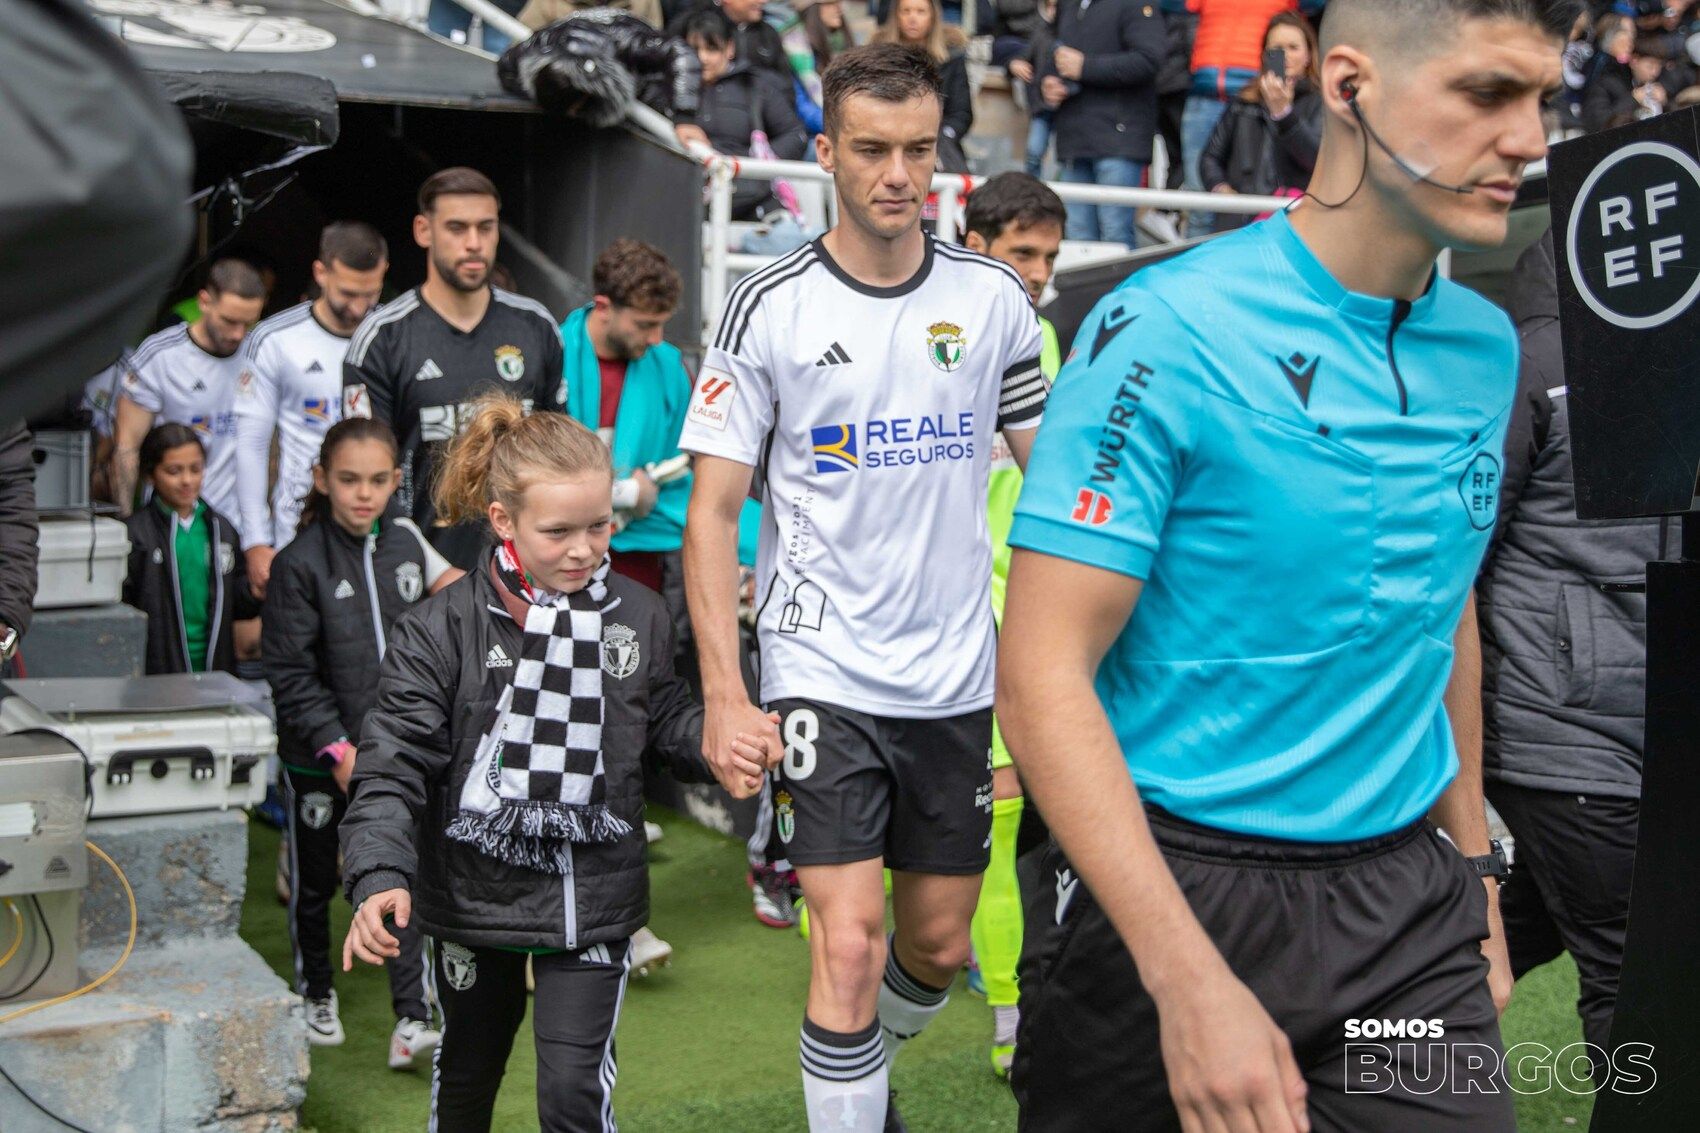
[(502, 450)]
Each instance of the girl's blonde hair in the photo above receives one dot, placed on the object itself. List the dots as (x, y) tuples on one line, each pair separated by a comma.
[(503, 450), (943, 41)]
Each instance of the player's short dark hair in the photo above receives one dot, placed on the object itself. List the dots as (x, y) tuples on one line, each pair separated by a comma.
[(353, 244), (889, 72), (1012, 198), (231, 276), (1405, 22), (634, 274), (160, 440), (457, 180), (709, 26)]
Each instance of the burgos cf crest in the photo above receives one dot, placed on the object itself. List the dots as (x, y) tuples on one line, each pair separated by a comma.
[(945, 346), (786, 815), (620, 653), (409, 581), (510, 363)]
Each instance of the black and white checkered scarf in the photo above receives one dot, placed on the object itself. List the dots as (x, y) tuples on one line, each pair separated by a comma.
[(537, 778)]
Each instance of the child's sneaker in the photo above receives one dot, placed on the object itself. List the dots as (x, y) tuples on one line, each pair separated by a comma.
[(412, 1043), (324, 1025)]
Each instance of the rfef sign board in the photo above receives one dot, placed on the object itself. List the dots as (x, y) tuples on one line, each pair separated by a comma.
[(1626, 230)]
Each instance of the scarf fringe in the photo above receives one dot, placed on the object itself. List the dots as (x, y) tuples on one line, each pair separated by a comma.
[(534, 835)]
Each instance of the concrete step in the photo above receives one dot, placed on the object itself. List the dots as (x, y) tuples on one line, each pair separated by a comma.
[(196, 1035)]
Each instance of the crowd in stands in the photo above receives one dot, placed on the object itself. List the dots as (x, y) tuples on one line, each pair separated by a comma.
[(1227, 86)]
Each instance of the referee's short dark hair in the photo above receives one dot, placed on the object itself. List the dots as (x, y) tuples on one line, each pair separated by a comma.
[(1012, 198), (231, 276), (889, 72), (457, 180), (352, 243), (634, 274)]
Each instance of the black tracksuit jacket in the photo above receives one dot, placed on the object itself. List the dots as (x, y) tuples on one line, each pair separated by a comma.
[(151, 587)]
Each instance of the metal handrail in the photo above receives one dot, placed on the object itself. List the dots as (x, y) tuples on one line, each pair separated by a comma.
[(720, 260)]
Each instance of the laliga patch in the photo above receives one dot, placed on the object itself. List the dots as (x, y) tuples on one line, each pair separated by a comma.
[(711, 400), (356, 402)]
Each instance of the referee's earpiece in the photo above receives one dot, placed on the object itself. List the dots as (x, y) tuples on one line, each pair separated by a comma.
[(1350, 94)]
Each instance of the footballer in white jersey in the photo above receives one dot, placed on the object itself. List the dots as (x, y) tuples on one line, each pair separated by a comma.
[(866, 375), (187, 374), (292, 382)]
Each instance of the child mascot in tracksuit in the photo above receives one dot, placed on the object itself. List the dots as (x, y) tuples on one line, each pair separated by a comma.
[(497, 800), (331, 604)]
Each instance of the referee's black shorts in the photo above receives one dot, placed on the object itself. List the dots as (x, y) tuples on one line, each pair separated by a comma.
[(1385, 929)]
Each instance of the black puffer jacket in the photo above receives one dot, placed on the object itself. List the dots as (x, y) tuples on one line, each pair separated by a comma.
[(1563, 617), (435, 698), (564, 58), (151, 587), (1111, 111), (1252, 153), (740, 101), (331, 602)]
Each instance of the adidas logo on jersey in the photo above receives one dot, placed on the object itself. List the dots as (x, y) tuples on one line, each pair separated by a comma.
[(344, 589), (315, 368), (496, 659), (428, 371), (200, 386), (835, 356)]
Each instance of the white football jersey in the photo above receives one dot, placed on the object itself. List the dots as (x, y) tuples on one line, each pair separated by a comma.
[(173, 378), (291, 380), (870, 413)]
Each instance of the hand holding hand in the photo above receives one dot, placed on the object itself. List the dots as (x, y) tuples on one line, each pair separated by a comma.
[(1070, 62)]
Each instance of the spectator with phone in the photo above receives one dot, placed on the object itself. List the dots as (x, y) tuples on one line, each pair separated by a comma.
[(1267, 141)]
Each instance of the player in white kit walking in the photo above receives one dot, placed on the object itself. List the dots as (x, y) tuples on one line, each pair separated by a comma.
[(866, 374), (291, 382)]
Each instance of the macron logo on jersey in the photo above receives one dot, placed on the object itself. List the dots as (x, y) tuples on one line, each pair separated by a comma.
[(711, 399), (497, 659)]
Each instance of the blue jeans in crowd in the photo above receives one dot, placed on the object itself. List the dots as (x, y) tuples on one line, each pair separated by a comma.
[(1197, 124), (446, 17), (1101, 222), (1038, 141)]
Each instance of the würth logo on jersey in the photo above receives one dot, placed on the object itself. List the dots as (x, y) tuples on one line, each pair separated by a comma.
[(1092, 508), (711, 400)]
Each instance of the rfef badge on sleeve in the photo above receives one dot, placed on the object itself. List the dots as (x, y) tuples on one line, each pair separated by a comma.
[(1626, 228)]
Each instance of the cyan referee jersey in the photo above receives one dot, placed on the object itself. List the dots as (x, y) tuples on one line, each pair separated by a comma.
[(1305, 479)]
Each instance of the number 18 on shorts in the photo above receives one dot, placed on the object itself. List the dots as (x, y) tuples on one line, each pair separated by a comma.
[(852, 786)]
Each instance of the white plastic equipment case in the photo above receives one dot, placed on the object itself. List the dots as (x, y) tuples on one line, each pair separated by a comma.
[(83, 561), (155, 745)]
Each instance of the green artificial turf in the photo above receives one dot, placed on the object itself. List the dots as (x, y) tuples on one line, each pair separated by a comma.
[(710, 1044)]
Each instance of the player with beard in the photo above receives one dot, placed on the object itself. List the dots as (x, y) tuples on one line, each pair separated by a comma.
[(867, 372), (1239, 670), (188, 374), (421, 359), (291, 383)]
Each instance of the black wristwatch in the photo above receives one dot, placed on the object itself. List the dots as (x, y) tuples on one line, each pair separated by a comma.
[(1493, 863)]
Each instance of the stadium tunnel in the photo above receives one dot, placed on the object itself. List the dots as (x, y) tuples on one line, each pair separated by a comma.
[(304, 112)]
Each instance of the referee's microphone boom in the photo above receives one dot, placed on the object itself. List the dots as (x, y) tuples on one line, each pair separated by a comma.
[(1350, 94)]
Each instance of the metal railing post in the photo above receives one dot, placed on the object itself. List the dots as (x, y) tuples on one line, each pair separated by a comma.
[(720, 174)]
